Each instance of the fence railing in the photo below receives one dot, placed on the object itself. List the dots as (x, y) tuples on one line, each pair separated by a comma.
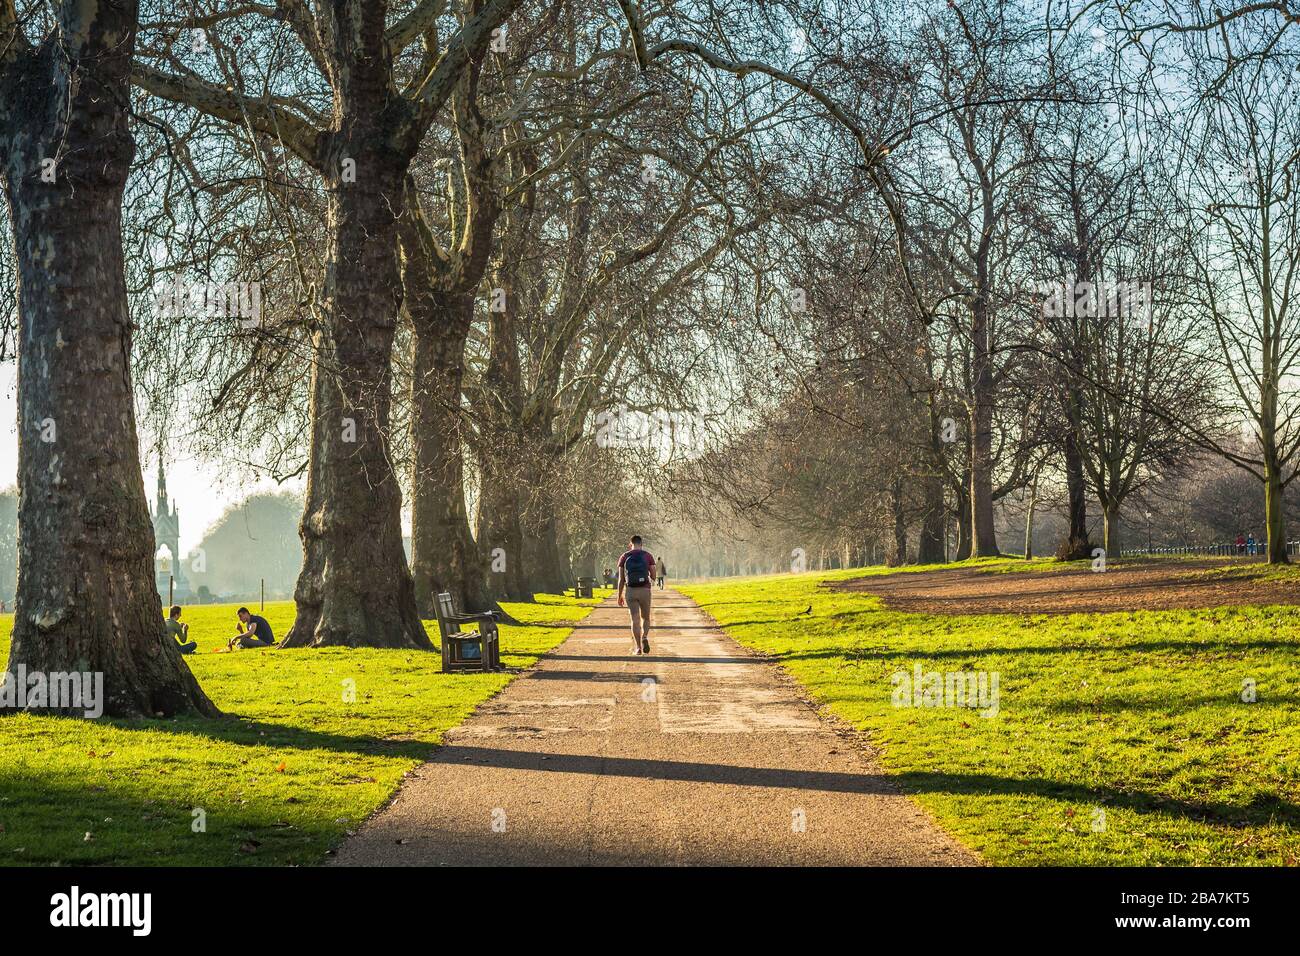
[(1225, 549)]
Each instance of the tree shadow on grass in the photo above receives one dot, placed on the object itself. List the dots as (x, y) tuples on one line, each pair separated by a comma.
[(251, 732), (1114, 705), (1260, 809), (49, 817), (869, 654)]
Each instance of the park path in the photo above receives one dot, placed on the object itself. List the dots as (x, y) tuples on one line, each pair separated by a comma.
[(700, 753)]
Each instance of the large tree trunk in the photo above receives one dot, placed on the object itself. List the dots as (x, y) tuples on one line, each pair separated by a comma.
[(439, 288), (355, 588), (546, 561), (501, 460), (86, 599), (500, 535), (444, 556)]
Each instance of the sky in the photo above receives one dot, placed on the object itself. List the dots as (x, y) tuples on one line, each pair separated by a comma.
[(201, 491)]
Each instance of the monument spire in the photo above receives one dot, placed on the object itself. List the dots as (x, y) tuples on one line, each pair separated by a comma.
[(162, 484)]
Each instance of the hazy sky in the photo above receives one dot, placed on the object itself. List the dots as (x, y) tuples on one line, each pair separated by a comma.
[(200, 491)]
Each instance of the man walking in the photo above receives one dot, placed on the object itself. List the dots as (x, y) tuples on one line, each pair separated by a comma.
[(636, 569), (663, 572)]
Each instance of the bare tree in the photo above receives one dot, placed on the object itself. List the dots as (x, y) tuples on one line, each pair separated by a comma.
[(85, 599)]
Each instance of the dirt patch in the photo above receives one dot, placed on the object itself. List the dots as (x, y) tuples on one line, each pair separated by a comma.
[(1134, 587)]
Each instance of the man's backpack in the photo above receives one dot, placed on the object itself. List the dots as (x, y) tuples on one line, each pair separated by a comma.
[(637, 566)]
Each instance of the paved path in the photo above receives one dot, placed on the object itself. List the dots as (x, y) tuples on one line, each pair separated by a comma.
[(700, 753)]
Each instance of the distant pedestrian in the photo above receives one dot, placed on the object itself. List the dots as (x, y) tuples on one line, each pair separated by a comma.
[(1250, 543), (1241, 543), (663, 573)]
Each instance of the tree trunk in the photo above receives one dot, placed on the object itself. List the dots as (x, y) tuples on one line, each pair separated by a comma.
[(499, 533), (585, 563), (1110, 515), (1274, 517), (86, 600), (355, 588), (545, 568), (1029, 519), (501, 456), (964, 543), (444, 556), (982, 400), (930, 544), (899, 555), (985, 543), (1077, 546)]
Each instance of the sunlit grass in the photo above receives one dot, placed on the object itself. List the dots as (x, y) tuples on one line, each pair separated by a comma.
[(1120, 738), (316, 740)]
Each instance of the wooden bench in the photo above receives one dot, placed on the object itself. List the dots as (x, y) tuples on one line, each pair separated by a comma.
[(467, 650)]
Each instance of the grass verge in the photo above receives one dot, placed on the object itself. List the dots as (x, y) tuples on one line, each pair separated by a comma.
[(1118, 738), (317, 741)]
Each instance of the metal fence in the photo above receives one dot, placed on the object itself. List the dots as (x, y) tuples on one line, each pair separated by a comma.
[(1227, 549)]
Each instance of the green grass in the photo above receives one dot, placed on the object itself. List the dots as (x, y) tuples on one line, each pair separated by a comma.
[(295, 768), (1135, 715)]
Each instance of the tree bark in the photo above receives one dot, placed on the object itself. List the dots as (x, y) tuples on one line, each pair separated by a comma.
[(439, 288), (1110, 514), (444, 555), (1273, 514), (899, 555), (930, 543), (86, 598), (1029, 519), (355, 588), (985, 542), (964, 543), (500, 460), (1077, 545)]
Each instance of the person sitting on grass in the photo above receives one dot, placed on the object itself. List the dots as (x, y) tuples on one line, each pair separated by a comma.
[(180, 631), (253, 631)]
